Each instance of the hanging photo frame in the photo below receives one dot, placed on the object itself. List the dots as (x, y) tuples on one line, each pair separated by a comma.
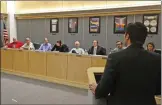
[(54, 25), (73, 25), (151, 23), (120, 23), (94, 24)]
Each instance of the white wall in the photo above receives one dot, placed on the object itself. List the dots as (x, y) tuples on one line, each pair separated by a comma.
[(12, 28)]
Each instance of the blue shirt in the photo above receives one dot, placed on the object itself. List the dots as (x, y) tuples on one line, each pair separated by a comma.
[(45, 47)]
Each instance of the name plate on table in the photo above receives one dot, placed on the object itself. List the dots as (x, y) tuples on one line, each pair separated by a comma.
[(78, 55), (105, 57)]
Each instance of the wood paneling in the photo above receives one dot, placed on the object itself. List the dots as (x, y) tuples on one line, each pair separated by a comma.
[(37, 63), (7, 59), (57, 64), (77, 68), (21, 61), (86, 14), (69, 69), (91, 71), (98, 61)]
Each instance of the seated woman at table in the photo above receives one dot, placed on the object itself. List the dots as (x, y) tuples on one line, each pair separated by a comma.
[(28, 45), (60, 47), (150, 47)]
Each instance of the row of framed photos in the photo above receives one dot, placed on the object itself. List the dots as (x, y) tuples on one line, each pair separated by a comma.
[(94, 24), (120, 22)]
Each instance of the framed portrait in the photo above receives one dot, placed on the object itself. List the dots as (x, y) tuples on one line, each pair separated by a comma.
[(120, 23), (73, 25), (94, 24), (151, 22), (54, 25)]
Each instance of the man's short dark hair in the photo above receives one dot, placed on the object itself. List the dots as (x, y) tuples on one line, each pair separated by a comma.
[(96, 41), (59, 41), (137, 32), (119, 41)]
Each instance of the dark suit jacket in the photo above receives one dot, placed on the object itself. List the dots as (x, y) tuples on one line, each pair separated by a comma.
[(1, 43), (100, 50), (62, 48), (132, 77)]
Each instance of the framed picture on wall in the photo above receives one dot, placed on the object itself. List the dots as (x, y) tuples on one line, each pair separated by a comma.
[(94, 24), (151, 22), (54, 25), (73, 25), (120, 23)]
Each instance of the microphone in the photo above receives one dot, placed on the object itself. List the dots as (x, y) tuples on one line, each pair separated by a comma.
[(73, 51)]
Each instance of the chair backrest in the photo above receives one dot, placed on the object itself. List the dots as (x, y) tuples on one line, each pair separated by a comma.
[(158, 51), (36, 45)]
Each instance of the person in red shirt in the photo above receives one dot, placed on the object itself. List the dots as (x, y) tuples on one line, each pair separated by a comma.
[(15, 44)]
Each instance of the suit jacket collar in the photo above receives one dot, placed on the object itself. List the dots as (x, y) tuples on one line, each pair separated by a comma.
[(98, 48), (136, 45)]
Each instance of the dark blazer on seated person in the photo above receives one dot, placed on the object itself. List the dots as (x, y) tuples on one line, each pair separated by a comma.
[(132, 77), (100, 50), (62, 48)]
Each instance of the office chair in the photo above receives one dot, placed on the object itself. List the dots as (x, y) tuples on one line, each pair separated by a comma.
[(36, 45)]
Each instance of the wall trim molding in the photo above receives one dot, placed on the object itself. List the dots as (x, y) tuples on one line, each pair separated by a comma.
[(3, 15), (103, 12)]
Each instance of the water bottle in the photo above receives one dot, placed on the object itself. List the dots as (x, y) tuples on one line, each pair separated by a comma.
[(86, 52)]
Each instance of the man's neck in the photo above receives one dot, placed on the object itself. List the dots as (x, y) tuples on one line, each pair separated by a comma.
[(28, 44)]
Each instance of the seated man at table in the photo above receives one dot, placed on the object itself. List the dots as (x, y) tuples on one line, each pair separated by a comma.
[(119, 47), (96, 49), (45, 46), (28, 45), (77, 49), (14, 44), (60, 47)]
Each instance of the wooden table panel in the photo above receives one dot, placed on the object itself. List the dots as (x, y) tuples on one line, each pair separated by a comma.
[(37, 63), (21, 61), (77, 68), (7, 59), (57, 65), (98, 61)]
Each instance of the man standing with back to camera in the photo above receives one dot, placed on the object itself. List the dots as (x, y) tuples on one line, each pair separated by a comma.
[(131, 76)]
